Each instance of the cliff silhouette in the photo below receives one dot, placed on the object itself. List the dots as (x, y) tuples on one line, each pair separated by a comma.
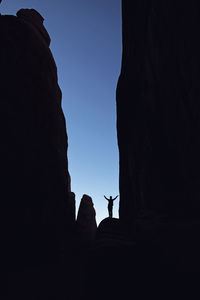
[(35, 226), (46, 252)]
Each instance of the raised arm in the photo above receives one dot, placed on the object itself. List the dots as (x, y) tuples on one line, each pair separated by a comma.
[(115, 197), (106, 198)]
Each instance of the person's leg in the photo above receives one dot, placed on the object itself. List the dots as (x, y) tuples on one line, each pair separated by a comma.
[(110, 210)]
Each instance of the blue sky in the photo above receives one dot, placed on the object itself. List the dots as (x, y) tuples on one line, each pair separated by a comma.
[(86, 44)]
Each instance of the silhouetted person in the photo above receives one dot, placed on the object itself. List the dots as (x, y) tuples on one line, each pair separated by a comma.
[(110, 205)]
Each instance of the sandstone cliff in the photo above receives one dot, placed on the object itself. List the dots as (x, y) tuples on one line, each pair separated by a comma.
[(34, 202), (158, 109)]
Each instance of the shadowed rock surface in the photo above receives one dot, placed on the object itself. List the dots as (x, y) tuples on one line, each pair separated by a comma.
[(158, 109), (71, 213), (112, 234), (156, 239), (86, 220), (34, 20), (35, 230), (159, 143), (108, 262)]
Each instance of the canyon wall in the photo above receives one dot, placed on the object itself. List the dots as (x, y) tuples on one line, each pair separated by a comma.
[(158, 109), (34, 170)]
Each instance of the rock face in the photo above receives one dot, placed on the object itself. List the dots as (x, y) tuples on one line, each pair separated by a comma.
[(158, 109), (112, 236), (86, 219), (71, 214), (32, 18), (34, 202)]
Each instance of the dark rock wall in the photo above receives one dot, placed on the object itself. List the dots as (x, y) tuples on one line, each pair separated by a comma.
[(34, 194), (158, 109)]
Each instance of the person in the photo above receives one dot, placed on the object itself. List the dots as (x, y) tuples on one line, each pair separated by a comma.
[(110, 205)]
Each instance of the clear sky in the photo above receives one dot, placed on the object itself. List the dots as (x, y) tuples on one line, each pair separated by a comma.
[(86, 44)]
